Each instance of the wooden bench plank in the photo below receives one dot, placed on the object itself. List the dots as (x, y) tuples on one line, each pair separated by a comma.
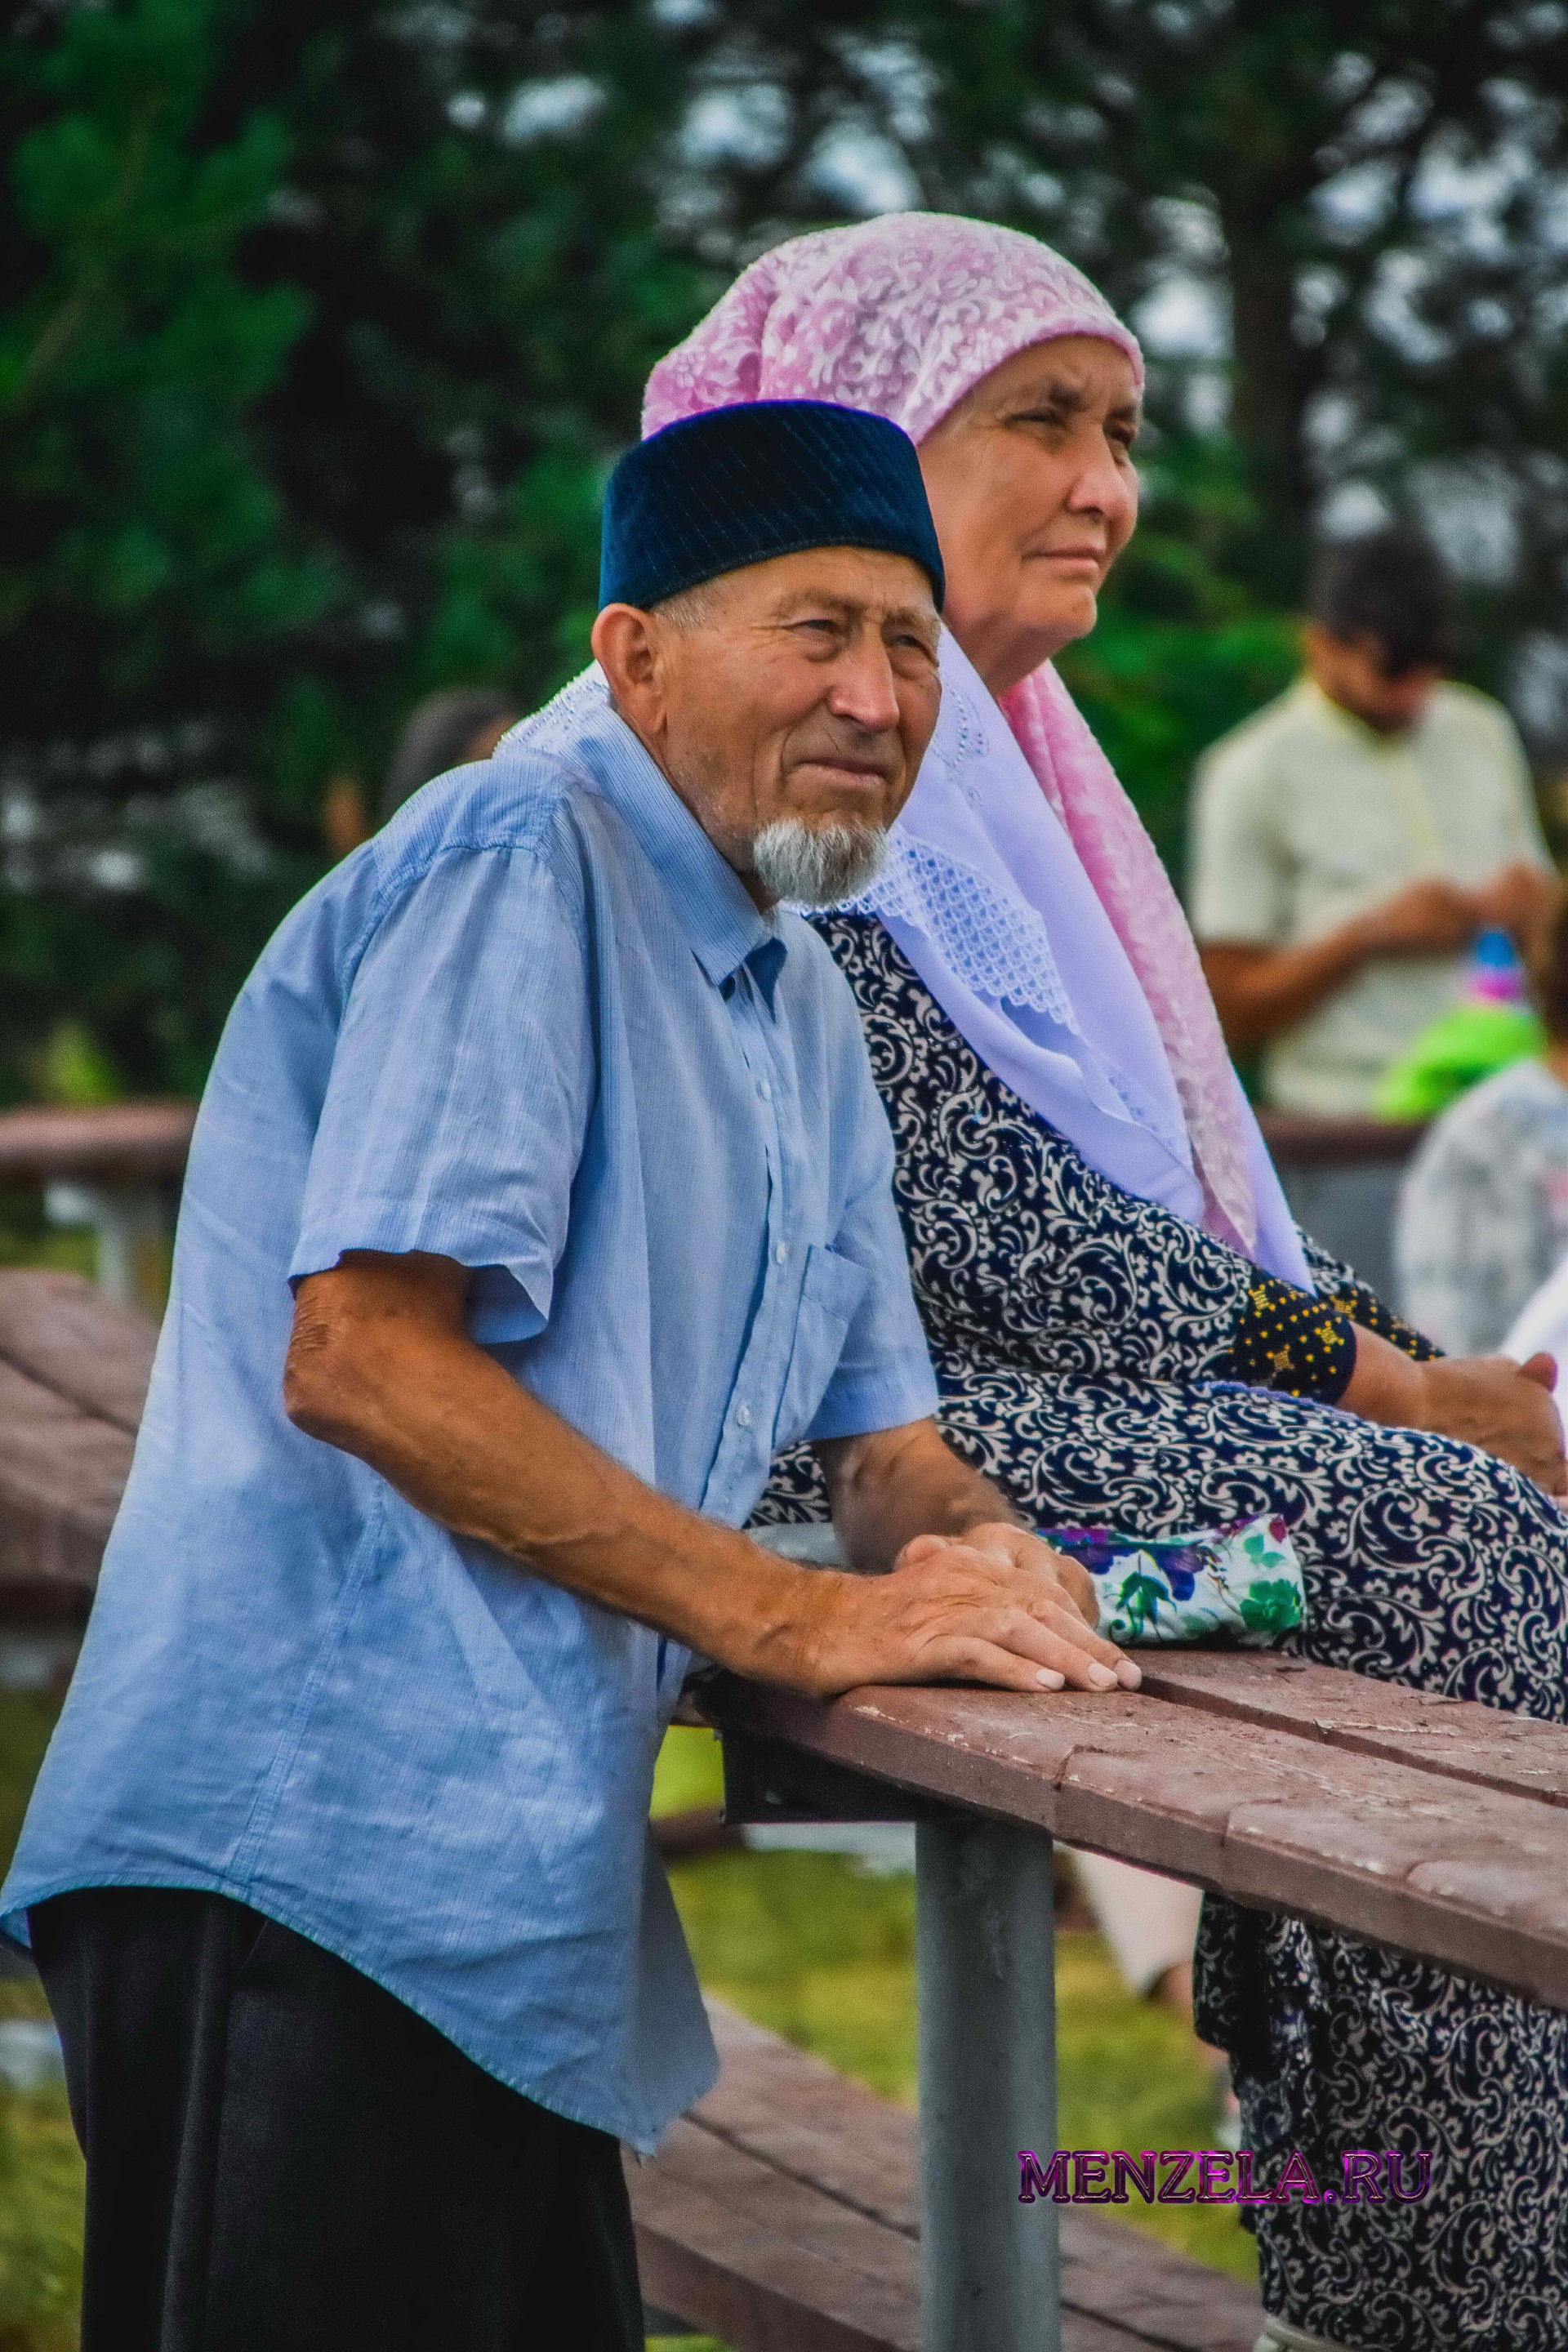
[(1472, 1878), (757, 2277), (801, 2115), (763, 2262), (61, 1475), (73, 1375), (770, 2264), (63, 1332), (1454, 1738), (798, 2115)]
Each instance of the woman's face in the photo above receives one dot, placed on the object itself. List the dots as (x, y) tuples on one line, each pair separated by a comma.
[(1032, 484)]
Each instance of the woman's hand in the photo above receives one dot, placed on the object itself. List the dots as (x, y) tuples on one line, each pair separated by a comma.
[(1487, 1401), (1507, 1408)]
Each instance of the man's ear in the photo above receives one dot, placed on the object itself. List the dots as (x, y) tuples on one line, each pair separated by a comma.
[(626, 645)]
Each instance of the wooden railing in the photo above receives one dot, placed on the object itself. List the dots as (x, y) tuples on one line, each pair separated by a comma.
[(114, 1167)]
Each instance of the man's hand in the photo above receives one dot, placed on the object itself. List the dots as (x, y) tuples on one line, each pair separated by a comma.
[(1520, 898), (1487, 1401), (1261, 991), (996, 1605), (1426, 919)]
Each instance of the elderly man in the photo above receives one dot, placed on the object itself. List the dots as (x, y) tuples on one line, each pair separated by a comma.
[(539, 1192)]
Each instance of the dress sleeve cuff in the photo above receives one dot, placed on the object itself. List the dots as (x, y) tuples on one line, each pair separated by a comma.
[(1365, 1307), (1293, 1340)]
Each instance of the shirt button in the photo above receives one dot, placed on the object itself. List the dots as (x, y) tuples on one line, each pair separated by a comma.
[(781, 1254), (765, 1091), (743, 1415)]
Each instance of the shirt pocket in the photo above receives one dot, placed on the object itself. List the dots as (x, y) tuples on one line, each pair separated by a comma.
[(830, 1299)]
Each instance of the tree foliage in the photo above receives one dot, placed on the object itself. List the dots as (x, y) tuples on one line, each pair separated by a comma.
[(324, 318), (318, 343)]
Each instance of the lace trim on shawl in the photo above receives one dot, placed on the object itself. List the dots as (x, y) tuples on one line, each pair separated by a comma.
[(997, 946), (556, 726)]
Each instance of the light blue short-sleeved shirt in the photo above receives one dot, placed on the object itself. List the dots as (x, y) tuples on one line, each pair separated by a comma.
[(537, 1027)]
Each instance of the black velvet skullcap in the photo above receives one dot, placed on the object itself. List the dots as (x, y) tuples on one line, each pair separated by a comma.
[(767, 477)]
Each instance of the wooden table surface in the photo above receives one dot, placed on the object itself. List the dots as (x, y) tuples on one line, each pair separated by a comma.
[(1434, 1826)]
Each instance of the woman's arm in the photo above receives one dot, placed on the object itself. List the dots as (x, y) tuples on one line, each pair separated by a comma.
[(1486, 1400), (1318, 1345)]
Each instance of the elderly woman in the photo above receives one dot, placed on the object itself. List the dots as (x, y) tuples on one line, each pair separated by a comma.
[(1127, 1329)]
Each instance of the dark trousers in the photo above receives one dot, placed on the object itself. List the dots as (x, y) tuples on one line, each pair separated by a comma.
[(282, 2158)]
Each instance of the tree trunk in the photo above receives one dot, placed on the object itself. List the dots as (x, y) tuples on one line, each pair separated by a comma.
[(1273, 380)]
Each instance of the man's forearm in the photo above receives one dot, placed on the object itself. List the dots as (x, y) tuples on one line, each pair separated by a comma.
[(381, 1364), (1259, 991), (900, 1482), (457, 1436)]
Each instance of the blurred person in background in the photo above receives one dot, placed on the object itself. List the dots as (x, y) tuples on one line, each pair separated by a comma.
[(1352, 840), (1483, 1212), (1127, 1329), (446, 731)]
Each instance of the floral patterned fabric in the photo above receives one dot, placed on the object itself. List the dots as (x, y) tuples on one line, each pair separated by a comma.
[(1084, 1346), (1241, 1584)]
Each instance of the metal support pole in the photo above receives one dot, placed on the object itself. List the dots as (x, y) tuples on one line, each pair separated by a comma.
[(989, 2273), (130, 1227)]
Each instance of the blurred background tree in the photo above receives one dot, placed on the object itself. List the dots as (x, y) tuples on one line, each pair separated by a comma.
[(324, 323)]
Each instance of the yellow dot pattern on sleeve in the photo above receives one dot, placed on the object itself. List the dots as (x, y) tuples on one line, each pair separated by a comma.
[(1290, 1339), (1365, 1308)]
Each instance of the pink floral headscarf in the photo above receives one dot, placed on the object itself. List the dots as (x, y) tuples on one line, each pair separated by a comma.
[(904, 315)]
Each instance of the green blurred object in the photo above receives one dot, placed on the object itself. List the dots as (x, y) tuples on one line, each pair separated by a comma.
[(690, 1771), (41, 2166), (324, 324), (1490, 1030), (40, 2221), (74, 1070), (28, 1238), (1462, 1048)]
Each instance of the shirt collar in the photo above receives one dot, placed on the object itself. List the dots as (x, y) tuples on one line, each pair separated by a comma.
[(725, 927), (1334, 714)]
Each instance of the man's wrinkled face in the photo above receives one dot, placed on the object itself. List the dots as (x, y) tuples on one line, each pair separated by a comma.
[(790, 705)]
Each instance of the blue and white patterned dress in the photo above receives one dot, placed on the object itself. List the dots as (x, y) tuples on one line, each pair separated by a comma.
[(1084, 1343)]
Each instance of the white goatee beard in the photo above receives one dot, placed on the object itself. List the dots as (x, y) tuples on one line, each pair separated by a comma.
[(817, 865)]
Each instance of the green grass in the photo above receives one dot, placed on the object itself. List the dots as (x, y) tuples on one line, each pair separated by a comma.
[(40, 2168), (40, 2221), (26, 1238)]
